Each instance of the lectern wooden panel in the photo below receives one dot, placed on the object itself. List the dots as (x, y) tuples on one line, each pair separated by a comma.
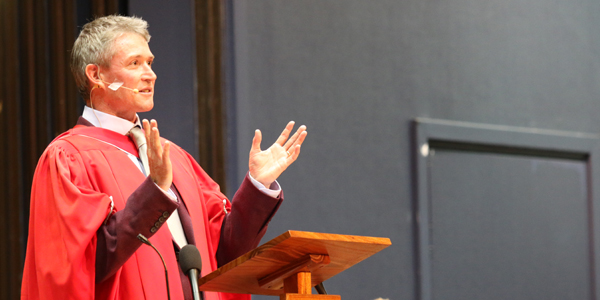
[(319, 256)]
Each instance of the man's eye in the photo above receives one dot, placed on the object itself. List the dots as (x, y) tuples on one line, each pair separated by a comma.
[(135, 62)]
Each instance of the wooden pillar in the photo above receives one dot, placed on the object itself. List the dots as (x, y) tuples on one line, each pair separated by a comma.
[(37, 101), (209, 31)]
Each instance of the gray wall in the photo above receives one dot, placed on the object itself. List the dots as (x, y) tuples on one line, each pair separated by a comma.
[(357, 73)]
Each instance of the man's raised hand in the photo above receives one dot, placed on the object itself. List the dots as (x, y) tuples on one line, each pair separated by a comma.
[(159, 162), (266, 165)]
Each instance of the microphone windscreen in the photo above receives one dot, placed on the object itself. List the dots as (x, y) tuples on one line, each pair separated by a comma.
[(189, 258)]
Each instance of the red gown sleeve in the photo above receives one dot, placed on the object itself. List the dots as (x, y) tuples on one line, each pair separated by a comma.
[(65, 215), (245, 225)]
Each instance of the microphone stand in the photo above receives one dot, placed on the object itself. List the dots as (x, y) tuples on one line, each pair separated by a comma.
[(320, 289), (147, 242)]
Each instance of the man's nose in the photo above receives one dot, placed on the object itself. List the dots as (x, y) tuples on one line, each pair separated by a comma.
[(148, 73)]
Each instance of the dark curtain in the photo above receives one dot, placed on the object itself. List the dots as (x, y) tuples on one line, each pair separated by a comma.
[(11, 246), (38, 100)]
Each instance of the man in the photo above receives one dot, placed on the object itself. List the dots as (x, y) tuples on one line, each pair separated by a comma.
[(91, 196)]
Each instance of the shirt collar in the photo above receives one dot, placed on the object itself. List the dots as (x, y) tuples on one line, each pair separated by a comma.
[(108, 121)]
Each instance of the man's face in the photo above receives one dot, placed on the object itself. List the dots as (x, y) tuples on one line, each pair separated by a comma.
[(131, 64)]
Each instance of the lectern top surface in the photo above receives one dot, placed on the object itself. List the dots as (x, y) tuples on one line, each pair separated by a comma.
[(244, 274)]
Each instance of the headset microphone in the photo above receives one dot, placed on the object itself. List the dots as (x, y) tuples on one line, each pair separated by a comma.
[(135, 91), (116, 85)]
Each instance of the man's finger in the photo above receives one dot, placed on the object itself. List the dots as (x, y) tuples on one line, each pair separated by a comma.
[(285, 133), (166, 154), (154, 141), (301, 138), (256, 141), (294, 137), (294, 152), (146, 127)]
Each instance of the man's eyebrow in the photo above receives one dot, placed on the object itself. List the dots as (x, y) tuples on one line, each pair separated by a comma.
[(140, 55)]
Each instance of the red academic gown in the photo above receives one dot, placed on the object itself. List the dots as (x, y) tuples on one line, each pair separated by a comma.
[(75, 180)]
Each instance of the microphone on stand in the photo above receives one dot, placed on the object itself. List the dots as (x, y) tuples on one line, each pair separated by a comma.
[(147, 242), (191, 264)]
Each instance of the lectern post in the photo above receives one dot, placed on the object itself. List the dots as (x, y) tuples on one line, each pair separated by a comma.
[(298, 287)]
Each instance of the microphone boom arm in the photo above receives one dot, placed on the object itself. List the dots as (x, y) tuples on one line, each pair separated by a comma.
[(145, 240)]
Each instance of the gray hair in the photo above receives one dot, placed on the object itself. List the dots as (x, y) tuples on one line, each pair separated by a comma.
[(95, 45)]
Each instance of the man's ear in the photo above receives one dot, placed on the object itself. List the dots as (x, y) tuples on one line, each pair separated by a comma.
[(93, 74)]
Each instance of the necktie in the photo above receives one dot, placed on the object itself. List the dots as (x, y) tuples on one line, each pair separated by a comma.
[(138, 137)]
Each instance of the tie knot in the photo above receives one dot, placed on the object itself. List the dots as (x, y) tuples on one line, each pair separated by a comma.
[(138, 137)]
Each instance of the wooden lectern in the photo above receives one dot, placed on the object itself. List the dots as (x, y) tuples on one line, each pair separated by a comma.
[(291, 264)]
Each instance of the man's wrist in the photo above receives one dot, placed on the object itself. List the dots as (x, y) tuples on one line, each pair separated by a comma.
[(274, 190), (169, 193)]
